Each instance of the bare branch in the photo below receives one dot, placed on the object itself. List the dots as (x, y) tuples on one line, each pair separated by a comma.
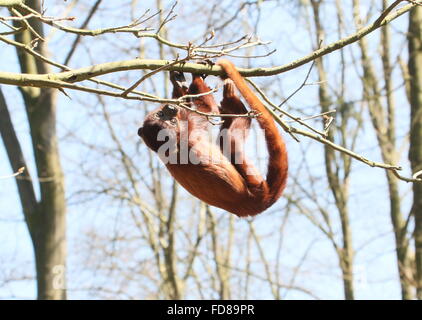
[(170, 16), (83, 26), (20, 171), (11, 3)]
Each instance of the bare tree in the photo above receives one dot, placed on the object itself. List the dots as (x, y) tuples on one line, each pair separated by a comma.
[(45, 217), (415, 153), (382, 113), (337, 170)]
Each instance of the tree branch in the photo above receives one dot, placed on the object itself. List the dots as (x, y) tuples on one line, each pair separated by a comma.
[(142, 64)]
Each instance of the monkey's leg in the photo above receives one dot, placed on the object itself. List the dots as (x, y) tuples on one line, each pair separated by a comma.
[(205, 103), (231, 104), (180, 86), (233, 134)]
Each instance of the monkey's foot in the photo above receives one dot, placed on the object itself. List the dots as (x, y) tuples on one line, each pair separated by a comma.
[(178, 79), (229, 89)]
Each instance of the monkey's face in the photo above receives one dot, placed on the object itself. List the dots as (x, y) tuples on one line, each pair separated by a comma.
[(161, 126)]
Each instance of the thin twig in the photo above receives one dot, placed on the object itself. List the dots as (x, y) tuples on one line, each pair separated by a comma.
[(83, 32), (168, 18), (83, 26), (315, 116), (283, 112), (28, 25), (387, 11), (20, 171), (36, 54), (150, 74)]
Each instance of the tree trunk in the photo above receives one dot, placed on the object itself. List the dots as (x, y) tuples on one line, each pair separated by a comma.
[(338, 185), (415, 152), (46, 218)]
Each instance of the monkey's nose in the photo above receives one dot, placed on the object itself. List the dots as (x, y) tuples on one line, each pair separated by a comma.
[(170, 111), (140, 131)]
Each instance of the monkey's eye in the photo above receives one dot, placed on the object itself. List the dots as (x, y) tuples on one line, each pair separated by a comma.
[(173, 121), (159, 114)]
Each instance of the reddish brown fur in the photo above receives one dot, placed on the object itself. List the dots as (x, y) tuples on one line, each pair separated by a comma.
[(224, 184)]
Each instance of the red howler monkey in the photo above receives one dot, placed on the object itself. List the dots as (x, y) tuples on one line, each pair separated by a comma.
[(229, 182)]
